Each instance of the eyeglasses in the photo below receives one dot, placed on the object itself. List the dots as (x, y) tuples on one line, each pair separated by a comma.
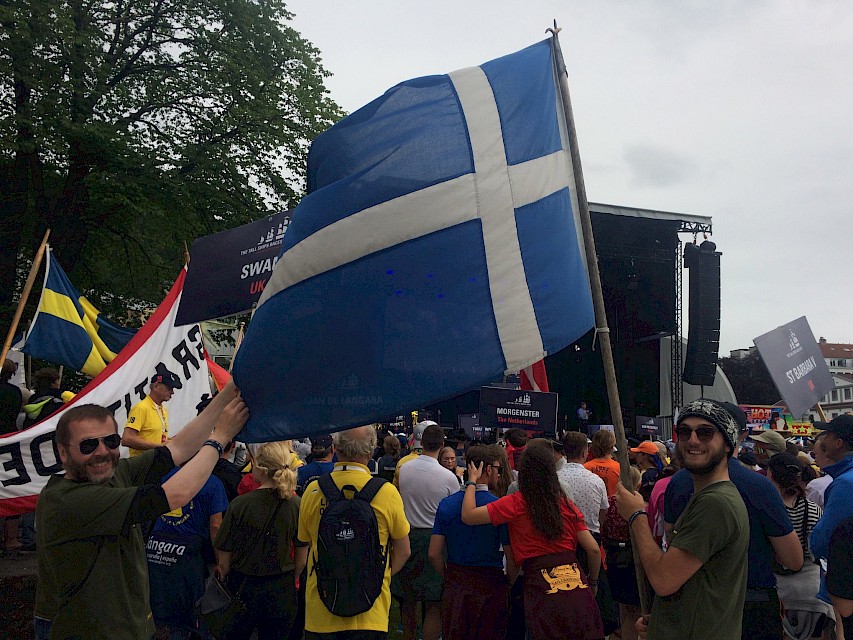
[(88, 445), (705, 434), (496, 466)]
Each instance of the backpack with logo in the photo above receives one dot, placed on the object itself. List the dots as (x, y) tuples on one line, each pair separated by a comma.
[(350, 561)]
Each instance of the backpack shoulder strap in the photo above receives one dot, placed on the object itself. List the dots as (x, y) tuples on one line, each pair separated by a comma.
[(329, 488), (369, 490)]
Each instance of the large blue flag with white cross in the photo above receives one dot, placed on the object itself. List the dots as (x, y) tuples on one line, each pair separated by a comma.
[(437, 249)]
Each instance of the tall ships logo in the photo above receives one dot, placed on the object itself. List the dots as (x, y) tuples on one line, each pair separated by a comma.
[(521, 401), (793, 342), (263, 265)]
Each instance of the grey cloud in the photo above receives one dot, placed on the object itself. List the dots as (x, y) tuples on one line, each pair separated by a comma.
[(652, 166)]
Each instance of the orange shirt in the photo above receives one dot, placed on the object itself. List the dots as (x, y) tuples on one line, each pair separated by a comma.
[(608, 470)]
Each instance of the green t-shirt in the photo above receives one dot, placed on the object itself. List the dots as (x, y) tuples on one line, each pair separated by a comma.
[(709, 606), (93, 577), (244, 533)]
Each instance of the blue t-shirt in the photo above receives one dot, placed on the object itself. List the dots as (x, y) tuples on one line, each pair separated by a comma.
[(311, 471), (194, 518), (477, 546), (767, 516)]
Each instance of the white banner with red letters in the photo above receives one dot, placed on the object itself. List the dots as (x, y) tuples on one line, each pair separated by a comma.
[(28, 458)]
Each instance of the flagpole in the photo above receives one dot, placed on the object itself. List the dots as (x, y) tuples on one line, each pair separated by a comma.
[(237, 344), (601, 329), (25, 294)]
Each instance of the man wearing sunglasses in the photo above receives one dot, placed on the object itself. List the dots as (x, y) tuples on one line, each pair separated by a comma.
[(771, 533), (93, 579), (700, 581)]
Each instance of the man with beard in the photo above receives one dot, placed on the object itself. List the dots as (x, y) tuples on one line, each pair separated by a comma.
[(93, 579), (770, 533), (700, 581)]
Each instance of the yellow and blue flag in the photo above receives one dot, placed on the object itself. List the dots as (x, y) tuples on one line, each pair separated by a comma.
[(69, 330)]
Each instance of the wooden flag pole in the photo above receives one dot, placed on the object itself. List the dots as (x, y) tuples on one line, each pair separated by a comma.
[(601, 329), (237, 344), (25, 294), (821, 413)]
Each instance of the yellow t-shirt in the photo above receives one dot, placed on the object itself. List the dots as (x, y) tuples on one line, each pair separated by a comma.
[(400, 463), (150, 421), (391, 518)]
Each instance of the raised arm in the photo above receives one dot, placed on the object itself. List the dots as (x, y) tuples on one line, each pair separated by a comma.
[(471, 513), (187, 482), (188, 441)]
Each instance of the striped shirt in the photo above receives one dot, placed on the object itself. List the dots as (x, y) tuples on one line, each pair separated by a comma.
[(798, 513)]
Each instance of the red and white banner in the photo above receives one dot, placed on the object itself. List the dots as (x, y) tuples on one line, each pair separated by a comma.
[(28, 458), (534, 378)]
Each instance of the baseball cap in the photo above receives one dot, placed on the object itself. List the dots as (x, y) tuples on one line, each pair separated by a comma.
[(842, 426), (321, 442), (646, 446), (418, 432), (772, 441), (167, 378)]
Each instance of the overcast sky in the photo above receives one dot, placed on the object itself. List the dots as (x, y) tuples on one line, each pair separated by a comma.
[(736, 110)]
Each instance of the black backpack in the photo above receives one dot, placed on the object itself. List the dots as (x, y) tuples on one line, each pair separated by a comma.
[(350, 561)]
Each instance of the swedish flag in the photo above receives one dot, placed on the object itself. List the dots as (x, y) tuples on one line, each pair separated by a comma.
[(68, 330)]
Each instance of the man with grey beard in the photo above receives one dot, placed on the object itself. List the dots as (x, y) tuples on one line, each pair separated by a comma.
[(93, 577)]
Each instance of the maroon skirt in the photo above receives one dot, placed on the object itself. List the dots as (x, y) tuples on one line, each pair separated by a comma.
[(558, 602), (474, 603)]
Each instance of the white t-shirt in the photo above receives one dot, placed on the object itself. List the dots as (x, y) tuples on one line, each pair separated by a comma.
[(423, 484)]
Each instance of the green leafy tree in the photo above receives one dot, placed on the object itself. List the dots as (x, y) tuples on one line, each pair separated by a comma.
[(131, 126), (750, 379)]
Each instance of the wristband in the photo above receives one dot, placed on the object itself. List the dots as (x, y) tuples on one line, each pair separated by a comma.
[(214, 444), (635, 514), (470, 484)]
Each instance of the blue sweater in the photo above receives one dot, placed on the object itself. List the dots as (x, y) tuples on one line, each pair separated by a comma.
[(838, 505)]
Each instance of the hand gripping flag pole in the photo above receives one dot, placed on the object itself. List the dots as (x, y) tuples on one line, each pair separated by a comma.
[(602, 331)]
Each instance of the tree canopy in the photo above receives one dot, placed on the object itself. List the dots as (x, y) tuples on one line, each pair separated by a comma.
[(750, 379), (131, 126)]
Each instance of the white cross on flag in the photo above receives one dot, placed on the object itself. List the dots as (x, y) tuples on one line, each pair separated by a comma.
[(437, 250)]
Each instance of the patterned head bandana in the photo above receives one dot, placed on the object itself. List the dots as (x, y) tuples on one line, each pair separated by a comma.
[(716, 414)]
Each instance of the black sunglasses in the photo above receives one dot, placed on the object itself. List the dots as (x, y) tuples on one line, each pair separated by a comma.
[(705, 434), (496, 466), (88, 445)]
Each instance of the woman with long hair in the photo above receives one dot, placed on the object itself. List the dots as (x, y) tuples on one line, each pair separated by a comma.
[(803, 611), (507, 477), (254, 546), (545, 530)]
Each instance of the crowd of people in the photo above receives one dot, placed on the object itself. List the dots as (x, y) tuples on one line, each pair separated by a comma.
[(519, 538)]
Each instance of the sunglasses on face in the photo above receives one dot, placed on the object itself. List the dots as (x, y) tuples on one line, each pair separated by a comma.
[(88, 445), (705, 434), (497, 467)]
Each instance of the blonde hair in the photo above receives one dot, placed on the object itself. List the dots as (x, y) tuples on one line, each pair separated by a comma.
[(636, 477), (275, 460)]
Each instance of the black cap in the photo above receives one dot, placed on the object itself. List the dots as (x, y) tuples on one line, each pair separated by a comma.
[(168, 378), (842, 426)]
